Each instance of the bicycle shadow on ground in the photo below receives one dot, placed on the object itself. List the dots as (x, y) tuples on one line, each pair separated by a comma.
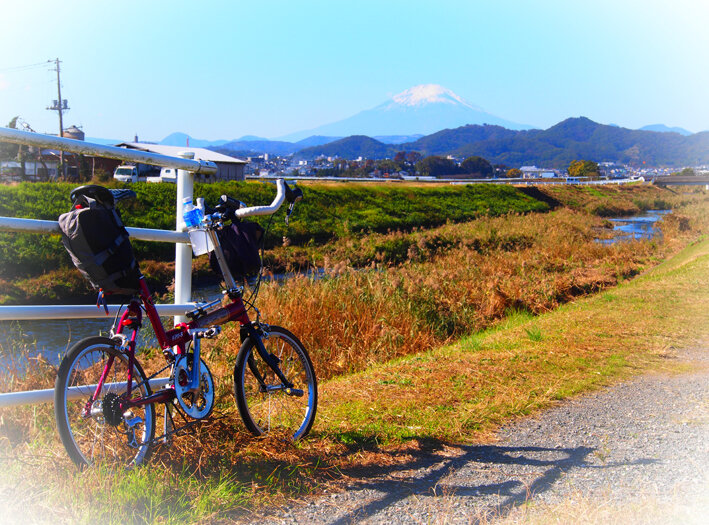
[(487, 480)]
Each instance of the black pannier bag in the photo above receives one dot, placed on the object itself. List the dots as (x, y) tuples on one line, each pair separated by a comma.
[(240, 243), (94, 235)]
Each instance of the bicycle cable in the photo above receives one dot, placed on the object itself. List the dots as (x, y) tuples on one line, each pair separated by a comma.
[(254, 292), (115, 318)]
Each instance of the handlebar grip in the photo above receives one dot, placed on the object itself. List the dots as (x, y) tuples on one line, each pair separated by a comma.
[(229, 202)]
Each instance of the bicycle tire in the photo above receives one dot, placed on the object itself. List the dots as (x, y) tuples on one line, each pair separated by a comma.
[(275, 411), (91, 439)]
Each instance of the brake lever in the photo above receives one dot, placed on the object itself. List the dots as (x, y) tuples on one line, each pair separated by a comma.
[(292, 196)]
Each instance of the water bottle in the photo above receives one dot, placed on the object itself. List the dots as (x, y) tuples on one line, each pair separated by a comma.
[(191, 214)]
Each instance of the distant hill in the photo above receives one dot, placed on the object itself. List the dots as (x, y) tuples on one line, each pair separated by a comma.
[(661, 128), (315, 140), (350, 148), (258, 147), (181, 139), (449, 140), (556, 147), (397, 139), (250, 138), (574, 138)]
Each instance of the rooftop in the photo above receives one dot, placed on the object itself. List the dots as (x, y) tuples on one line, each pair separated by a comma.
[(174, 151)]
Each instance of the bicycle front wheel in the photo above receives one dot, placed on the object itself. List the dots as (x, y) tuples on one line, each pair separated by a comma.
[(267, 405), (94, 428)]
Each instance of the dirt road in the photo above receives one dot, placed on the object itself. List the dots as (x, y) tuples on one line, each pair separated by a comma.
[(639, 449)]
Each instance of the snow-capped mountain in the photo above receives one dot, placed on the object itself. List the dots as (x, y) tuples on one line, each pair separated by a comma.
[(422, 109), (428, 94)]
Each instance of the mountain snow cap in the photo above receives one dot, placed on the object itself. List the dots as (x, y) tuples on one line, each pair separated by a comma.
[(430, 94)]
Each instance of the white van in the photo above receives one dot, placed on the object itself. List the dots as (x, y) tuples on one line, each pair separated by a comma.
[(166, 175), (126, 173)]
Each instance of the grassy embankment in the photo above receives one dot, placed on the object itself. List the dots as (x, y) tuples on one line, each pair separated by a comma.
[(494, 273), (36, 269), (333, 224)]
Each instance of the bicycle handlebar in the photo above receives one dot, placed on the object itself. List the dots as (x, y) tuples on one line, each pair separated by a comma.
[(265, 210), (231, 209)]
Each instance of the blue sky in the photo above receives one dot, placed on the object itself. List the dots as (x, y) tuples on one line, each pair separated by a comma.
[(219, 69)]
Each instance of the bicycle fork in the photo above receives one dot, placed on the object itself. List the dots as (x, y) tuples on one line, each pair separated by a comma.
[(272, 361)]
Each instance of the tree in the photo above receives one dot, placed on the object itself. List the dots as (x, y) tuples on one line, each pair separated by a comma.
[(514, 173), (435, 166), (584, 168), (9, 151), (477, 166), (412, 157), (686, 172)]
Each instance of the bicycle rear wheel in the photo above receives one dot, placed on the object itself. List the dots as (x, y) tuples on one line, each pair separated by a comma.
[(101, 431), (265, 404)]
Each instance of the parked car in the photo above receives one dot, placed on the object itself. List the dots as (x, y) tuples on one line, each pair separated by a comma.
[(135, 172), (166, 175)]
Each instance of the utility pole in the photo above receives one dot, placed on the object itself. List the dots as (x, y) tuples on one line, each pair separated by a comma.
[(59, 106)]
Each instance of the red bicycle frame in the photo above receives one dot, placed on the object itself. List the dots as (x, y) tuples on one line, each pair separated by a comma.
[(178, 337)]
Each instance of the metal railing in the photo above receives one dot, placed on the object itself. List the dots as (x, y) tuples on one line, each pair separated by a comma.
[(186, 166)]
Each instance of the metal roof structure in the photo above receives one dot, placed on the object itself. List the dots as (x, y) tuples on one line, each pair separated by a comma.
[(174, 151)]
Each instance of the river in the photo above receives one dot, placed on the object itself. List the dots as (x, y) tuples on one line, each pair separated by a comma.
[(636, 227)]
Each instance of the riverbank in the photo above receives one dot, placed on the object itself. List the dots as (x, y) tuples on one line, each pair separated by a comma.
[(34, 269), (326, 213), (382, 411)]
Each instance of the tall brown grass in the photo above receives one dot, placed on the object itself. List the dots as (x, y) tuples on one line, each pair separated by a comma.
[(352, 318)]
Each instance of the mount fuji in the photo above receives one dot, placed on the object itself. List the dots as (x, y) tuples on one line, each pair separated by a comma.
[(422, 109)]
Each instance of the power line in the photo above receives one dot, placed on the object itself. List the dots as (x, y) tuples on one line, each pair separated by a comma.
[(17, 69)]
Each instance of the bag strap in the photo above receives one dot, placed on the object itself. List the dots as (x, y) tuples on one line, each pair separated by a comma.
[(121, 273), (101, 257)]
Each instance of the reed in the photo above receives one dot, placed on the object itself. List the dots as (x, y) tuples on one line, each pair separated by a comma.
[(488, 268)]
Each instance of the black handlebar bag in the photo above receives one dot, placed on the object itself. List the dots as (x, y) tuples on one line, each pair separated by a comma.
[(240, 243), (97, 241)]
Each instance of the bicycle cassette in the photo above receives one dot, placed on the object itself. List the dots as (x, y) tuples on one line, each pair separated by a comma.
[(196, 400), (112, 411)]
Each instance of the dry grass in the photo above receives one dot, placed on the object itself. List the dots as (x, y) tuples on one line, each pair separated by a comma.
[(491, 268)]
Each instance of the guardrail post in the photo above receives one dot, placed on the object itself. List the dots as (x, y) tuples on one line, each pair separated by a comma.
[(183, 252)]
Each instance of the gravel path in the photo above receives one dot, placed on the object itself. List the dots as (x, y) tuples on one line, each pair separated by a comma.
[(644, 440)]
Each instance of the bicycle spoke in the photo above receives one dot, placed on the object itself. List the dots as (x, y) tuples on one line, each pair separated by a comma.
[(91, 429)]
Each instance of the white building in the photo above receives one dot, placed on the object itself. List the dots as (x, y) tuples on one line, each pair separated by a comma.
[(532, 172)]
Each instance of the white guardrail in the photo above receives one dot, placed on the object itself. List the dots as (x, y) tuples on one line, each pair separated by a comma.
[(186, 166)]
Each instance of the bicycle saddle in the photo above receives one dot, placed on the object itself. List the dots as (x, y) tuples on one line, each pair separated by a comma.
[(107, 197)]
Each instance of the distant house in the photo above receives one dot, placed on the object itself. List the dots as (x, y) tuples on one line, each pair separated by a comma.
[(532, 172), (228, 168)]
